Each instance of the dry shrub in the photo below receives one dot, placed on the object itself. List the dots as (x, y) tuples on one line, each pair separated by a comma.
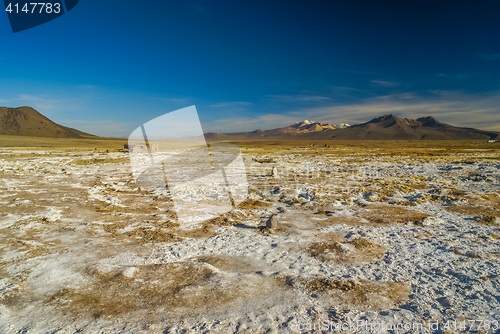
[(489, 220), (204, 231), (168, 224), (493, 256), (99, 161), (176, 287), (362, 243), (109, 208), (222, 221), (406, 203), (364, 252), (229, 219), (113, 227), (253, 204), (491, 197), (473, 211), (383, 215), (38, 251), (324, 212), (377, 295), (363, 295), (323, 284)]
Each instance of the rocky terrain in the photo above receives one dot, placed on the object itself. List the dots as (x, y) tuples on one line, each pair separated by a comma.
[(364, 234)]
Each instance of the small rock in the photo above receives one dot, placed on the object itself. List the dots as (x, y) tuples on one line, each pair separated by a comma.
[(444, 302), (475, 255), (274, 172), (450, 272), (458, 251), (129, 272), (361, 203), (430, 221), (272, 222)]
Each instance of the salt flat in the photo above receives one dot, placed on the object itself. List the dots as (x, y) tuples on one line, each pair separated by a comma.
[(362, 235)]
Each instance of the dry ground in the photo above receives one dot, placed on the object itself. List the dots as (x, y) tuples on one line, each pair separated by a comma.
[(367, 230)]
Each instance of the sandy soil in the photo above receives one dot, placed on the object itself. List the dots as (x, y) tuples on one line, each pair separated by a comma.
[(360, 237)]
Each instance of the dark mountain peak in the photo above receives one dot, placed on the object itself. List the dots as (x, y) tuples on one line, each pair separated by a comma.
[(426, 118), (429, 121), (384, 118), (384, 121)]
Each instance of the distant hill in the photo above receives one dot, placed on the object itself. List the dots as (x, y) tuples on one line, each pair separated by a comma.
[(26, 121), (294, 131), (387, 127)]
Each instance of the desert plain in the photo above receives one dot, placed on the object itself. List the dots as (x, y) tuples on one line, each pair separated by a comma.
[(368, 232)]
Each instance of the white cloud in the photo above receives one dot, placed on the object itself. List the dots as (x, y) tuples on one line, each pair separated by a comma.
[(449, 107), (452, 107), (47, 105), (267, 121), (299, 98), (231, 104), (41, 103), (455, 76), (385, 83)]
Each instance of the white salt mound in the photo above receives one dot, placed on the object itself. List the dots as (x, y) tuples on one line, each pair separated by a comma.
[(129, 272)]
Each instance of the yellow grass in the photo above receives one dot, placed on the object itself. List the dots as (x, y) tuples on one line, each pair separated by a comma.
[(66, 144), (426, 149)]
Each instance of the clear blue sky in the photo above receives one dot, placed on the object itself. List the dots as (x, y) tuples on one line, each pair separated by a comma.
[(108, 66)]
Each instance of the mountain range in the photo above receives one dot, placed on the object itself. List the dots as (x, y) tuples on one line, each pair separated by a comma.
[(387, 127), (26, 121), (390, 127)]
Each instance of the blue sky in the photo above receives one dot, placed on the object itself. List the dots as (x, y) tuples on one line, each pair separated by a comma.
[(106, 67)]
